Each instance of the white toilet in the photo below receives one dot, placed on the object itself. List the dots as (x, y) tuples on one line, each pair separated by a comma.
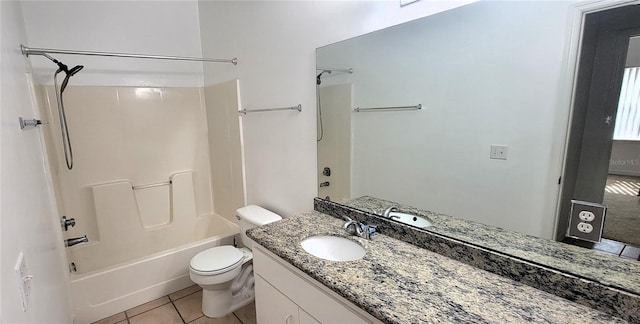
[(225, 272)]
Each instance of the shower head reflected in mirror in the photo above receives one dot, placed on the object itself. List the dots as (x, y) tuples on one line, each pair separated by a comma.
[(318, 80)]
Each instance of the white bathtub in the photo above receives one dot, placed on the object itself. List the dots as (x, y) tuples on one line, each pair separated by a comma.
[(102, 293)]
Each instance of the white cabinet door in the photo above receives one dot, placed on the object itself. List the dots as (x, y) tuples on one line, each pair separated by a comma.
[(272, 306), (305, 318), (317, 305)]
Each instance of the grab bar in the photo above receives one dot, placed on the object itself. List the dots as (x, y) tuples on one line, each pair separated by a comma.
[(416, 107), (245, 111), (151, 185)]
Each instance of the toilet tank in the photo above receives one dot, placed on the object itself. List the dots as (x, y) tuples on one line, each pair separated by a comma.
[(252, 216)]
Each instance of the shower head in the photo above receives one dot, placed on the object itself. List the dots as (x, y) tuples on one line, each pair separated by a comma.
[(68, 153), (75, 70), (318, 81), (69, 73)]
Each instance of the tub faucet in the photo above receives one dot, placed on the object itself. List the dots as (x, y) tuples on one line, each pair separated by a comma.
[(75, 240), (359, 229)]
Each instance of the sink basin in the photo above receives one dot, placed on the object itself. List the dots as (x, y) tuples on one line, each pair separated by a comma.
[(409, 219), (333, 248)]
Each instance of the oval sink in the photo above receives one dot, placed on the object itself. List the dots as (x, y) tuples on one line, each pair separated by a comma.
[(410, 219), (333, 248)]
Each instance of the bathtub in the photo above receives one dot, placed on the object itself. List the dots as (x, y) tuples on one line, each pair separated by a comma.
[(105, 292)]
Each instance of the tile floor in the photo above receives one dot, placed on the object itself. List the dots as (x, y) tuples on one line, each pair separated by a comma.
[(620, 249), (184, 306)]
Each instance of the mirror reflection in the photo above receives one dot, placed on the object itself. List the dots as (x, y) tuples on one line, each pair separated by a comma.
[(489, 140), (622, 189)]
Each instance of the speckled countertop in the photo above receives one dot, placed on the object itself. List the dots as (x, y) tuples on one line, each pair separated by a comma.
[(595, 265), (397, 282)]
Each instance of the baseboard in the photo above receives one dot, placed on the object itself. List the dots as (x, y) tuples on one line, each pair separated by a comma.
[(624, 173)]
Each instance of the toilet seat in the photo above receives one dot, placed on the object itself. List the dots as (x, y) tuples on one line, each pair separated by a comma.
[(216, 260)]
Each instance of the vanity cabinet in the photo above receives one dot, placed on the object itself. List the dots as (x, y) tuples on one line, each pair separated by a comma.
[(277, 308), (284, 294)]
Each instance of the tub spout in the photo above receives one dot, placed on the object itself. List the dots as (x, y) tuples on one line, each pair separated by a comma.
[(75, 240)]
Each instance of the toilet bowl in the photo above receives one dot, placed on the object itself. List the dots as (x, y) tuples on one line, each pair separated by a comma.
[(225, 273)]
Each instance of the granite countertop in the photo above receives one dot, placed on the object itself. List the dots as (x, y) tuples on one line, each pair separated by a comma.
[(397, 282), (595, 265)]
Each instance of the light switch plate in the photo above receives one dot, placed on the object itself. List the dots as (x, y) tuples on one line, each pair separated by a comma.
[(24, 281), (499, 152)]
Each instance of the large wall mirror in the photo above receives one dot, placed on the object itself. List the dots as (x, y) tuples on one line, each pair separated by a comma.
[(493, 84)]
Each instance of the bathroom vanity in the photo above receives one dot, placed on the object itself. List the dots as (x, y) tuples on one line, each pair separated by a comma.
[(288, 295), (395, 282)]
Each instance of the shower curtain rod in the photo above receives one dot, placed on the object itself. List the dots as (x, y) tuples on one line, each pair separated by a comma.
[(349, 70), (26, 51)]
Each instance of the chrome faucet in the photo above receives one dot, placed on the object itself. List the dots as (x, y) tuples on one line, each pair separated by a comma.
[(75, 240), (66, 223), (359, 229), (388, 211)]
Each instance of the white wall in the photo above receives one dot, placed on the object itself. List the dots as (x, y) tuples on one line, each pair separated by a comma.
[(275, 43), (28, 221), (487, 73), (225, 148), (144, 27)]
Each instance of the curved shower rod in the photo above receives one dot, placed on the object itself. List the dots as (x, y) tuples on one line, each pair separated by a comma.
[(26, 51)]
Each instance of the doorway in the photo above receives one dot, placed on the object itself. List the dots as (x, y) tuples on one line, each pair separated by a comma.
[(595, 149)]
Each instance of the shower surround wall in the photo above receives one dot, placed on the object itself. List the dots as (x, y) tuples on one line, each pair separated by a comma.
[(131, 136), (141, 186)]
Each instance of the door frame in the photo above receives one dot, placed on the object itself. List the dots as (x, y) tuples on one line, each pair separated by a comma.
[(573, 53)]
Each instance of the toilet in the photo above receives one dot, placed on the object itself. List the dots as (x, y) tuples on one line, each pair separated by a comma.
[(225, 273)]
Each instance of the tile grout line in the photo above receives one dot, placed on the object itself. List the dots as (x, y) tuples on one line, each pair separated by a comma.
[(177, 311), (148, 310), (236, 315)]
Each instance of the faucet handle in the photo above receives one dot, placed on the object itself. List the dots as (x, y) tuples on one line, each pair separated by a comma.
[(351, 227), (369, 231)]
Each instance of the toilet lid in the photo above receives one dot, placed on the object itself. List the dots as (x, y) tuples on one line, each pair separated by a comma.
[(217, 259)]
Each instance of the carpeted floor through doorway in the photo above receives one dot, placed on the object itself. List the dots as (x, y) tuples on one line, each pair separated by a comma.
[(622, 222)]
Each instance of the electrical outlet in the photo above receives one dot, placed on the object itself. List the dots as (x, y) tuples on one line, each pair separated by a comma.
[(498, 152), (24, 281), (586, 220), (585, 227), (586, 216)]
